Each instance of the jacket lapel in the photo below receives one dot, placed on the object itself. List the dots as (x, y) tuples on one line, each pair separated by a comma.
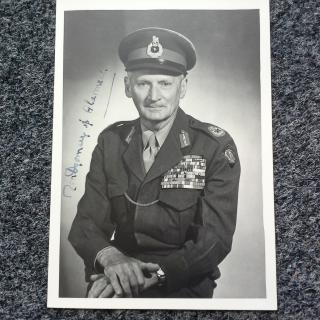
[(133, 155), (170, 152)]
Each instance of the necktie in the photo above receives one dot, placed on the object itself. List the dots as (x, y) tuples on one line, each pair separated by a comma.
[(150, 152)]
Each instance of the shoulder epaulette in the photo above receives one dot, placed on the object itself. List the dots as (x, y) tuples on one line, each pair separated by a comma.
[(211, 130), (124, 129), (221, 136), (116, 125)]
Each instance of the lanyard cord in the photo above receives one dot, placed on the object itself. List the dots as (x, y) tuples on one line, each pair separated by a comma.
[(140, 204)]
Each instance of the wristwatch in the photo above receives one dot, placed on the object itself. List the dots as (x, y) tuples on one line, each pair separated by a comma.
[(161, 277)]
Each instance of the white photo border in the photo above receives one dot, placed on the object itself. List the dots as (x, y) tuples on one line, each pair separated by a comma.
[(268, 303)]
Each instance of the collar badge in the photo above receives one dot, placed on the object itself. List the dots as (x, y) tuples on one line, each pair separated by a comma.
[(184, 139), (130, 135)]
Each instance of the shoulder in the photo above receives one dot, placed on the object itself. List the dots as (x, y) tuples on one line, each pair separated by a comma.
[(219, 138), (118, 126), (211, 131), (119, 129)]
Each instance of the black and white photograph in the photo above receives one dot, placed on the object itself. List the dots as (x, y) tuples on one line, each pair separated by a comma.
[(162, 181)]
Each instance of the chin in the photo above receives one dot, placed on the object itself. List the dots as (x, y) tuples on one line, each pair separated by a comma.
[(156, 119)]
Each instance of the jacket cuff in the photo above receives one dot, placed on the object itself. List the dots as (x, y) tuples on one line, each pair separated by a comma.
[(96, 265), (91, 249), (177, 272)]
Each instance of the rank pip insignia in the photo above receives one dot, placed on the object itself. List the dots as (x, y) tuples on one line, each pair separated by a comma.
[(230, 157), (189, 173), (154, 49), (216, 131)]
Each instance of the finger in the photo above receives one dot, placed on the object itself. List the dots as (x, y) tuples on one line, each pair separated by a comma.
[(133, 282), (94, 290), (114, 280), (148, 266), (97, 287), (107, 292), (150, 282), (125, 284), (92, 294), (95, 277), (139, 275)]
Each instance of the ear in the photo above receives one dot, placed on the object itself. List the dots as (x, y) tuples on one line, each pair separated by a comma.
[(127, 87), (183, 87)]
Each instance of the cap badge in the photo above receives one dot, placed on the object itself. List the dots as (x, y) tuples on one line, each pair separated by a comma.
[(154, 49), (216, 131)]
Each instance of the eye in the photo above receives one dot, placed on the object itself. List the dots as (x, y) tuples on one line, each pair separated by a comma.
[(165, 83), (142, 84)]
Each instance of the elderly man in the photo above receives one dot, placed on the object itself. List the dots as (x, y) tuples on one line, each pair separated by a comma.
[(159, 209)]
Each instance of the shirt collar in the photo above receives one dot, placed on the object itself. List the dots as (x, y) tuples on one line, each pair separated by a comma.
[(161, 134)]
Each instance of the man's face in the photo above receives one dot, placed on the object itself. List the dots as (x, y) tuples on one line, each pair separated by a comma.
[(156, 96)]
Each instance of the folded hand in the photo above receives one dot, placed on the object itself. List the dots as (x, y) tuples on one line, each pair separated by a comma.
[(126, 274)]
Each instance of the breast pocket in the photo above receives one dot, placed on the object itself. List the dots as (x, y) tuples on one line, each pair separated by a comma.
[(183, 205), (179, 199)]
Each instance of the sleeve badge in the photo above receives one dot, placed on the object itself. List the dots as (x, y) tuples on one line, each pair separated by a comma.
[(229, 155)]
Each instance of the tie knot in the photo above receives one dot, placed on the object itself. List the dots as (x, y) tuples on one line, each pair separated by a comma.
[(152, 142)]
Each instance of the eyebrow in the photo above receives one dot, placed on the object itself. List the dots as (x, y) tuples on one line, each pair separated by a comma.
[(158, 80)]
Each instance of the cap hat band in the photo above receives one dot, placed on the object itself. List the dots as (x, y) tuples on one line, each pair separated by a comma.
[(167, 54), (158, 64)]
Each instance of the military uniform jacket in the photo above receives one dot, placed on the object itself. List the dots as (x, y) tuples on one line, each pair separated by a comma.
[(181, 214)]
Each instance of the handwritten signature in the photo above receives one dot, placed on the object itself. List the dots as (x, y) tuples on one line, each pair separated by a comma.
[(71, 172)]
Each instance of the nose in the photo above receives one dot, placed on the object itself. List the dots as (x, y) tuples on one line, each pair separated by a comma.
[(153, 93)]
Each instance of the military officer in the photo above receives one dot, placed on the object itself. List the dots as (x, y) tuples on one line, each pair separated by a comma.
[(159, 209)]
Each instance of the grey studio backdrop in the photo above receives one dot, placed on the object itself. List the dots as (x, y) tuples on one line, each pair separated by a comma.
[(223, 89)]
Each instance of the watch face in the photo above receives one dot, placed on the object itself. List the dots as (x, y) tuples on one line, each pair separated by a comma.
[(160, 273), (161, 277)]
